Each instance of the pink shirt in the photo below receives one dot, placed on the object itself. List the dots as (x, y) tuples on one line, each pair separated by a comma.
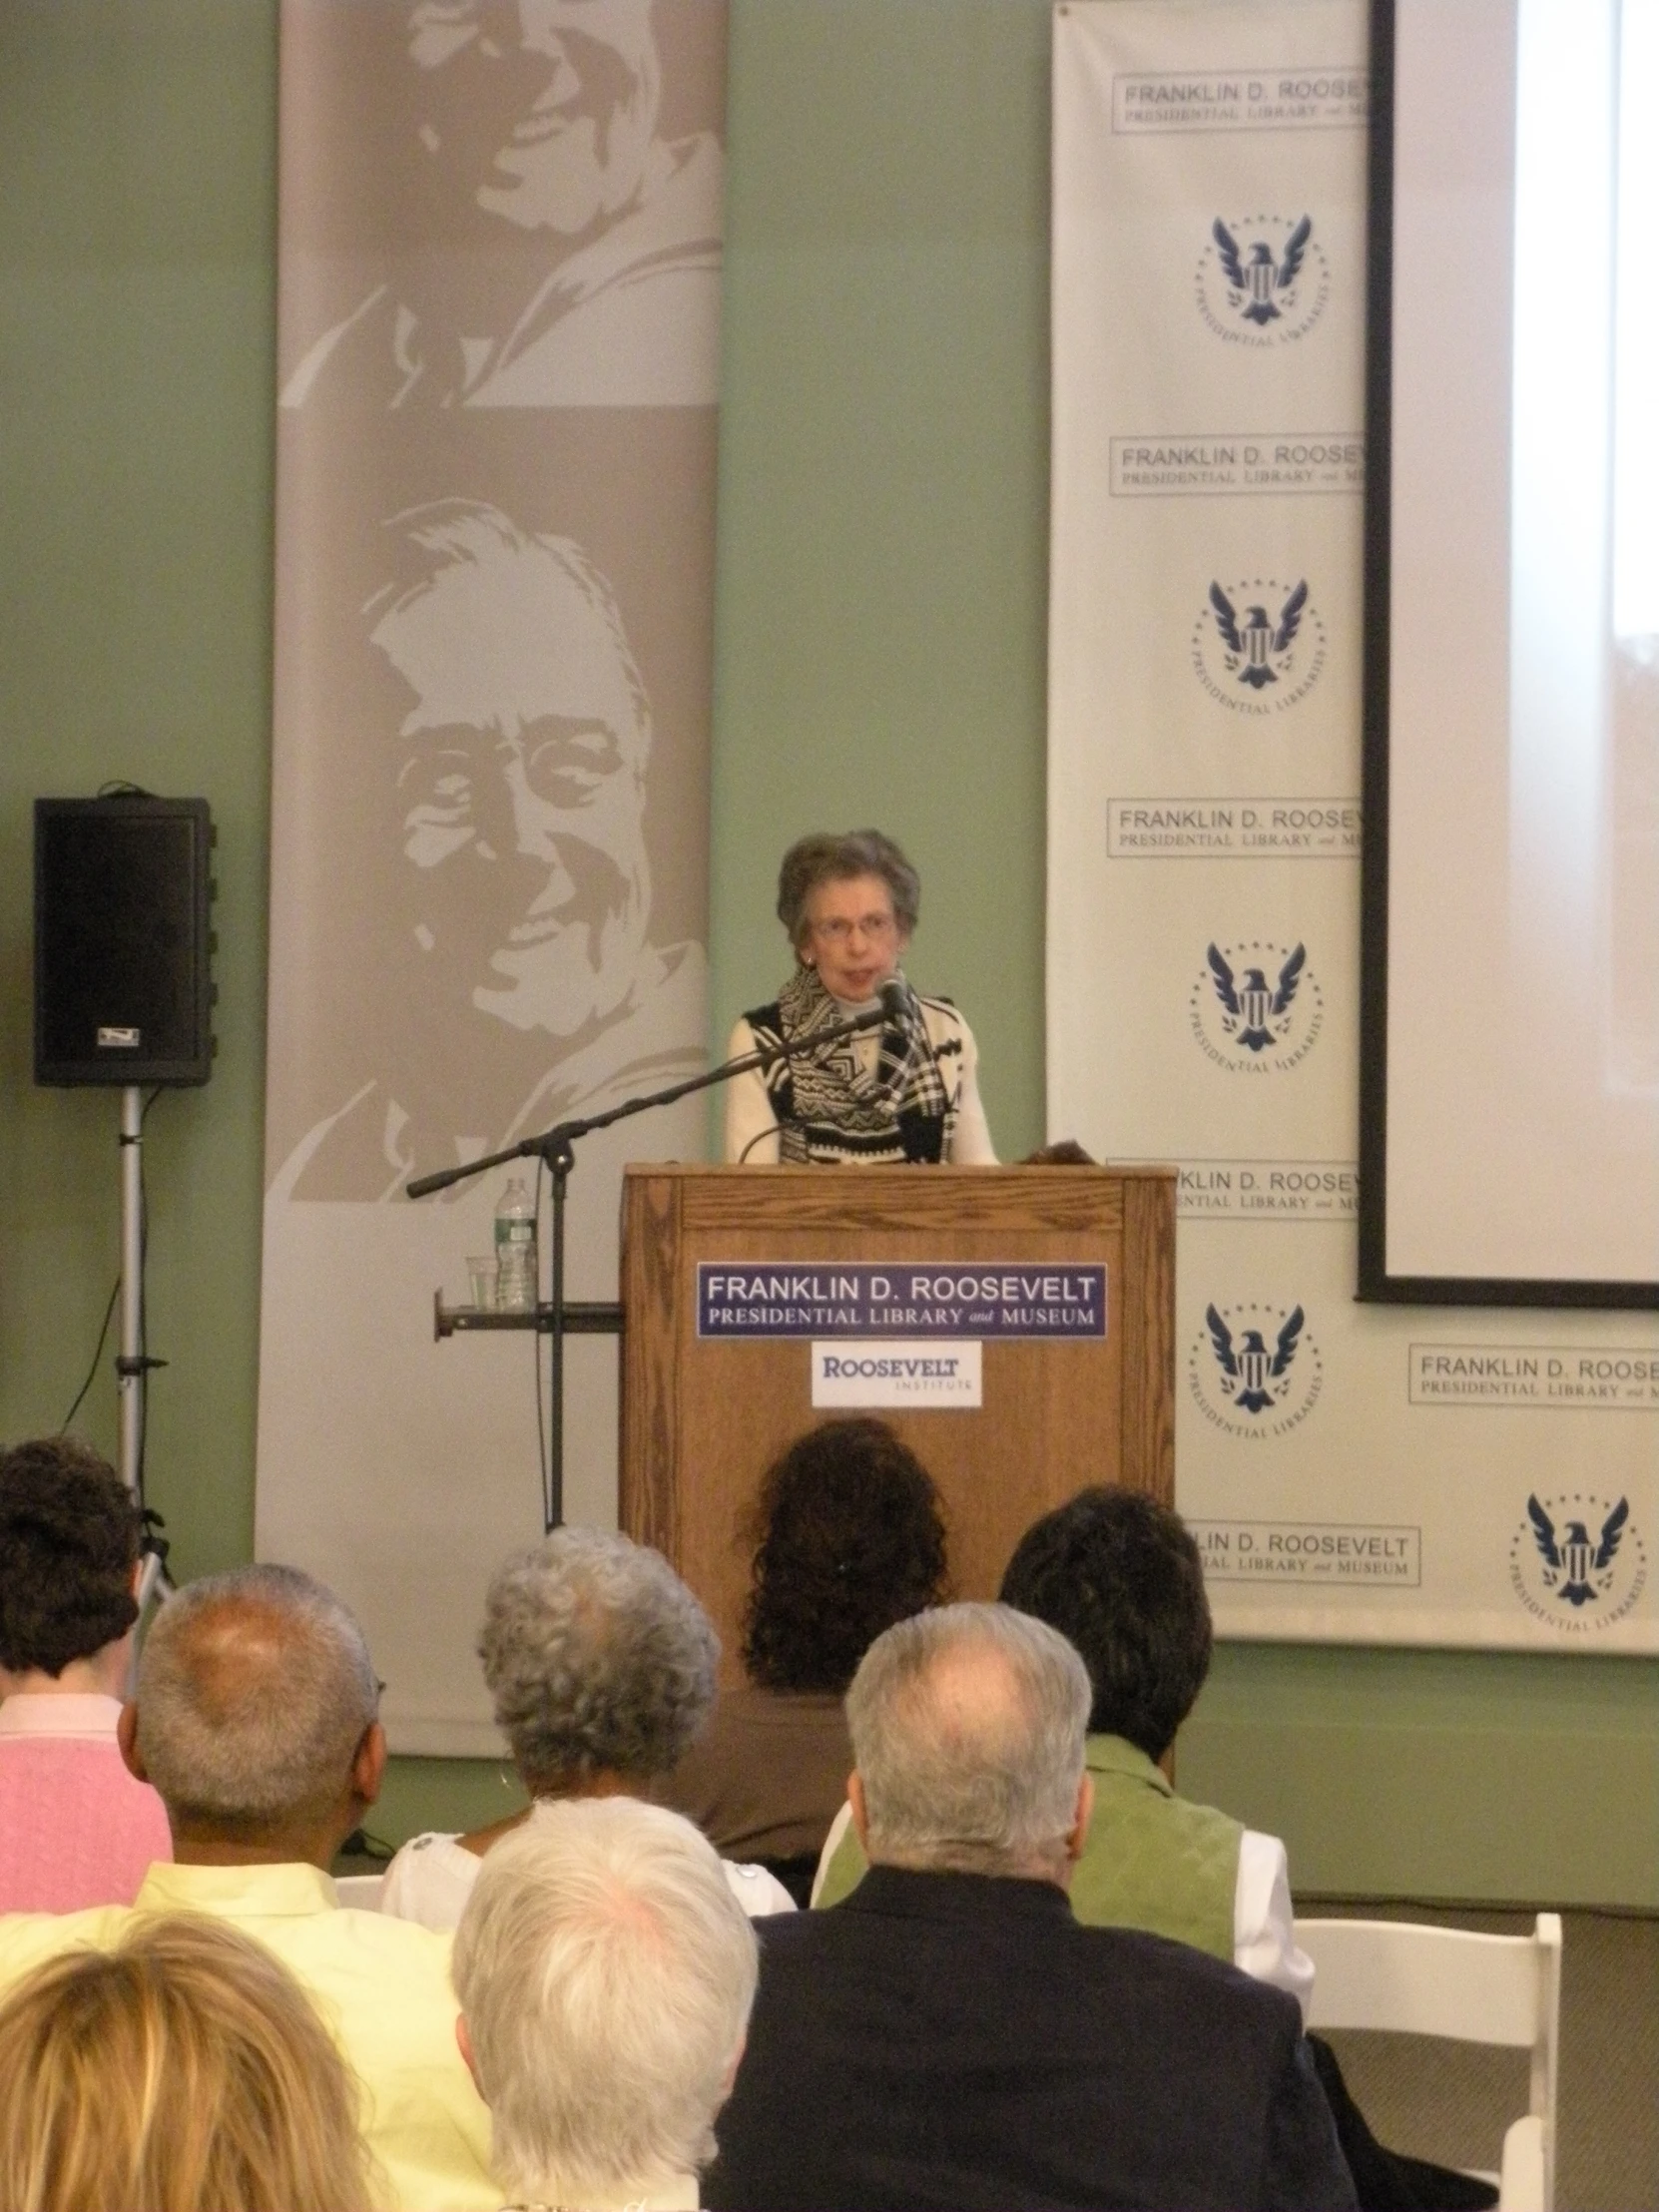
[(75, 1829)]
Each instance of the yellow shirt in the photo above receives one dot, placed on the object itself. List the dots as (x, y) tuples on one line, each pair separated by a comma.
[(382, 1985)]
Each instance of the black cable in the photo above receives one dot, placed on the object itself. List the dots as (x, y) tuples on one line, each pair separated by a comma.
[(775, 1131), (142, 1335), (92, 1372), (363, 1843)]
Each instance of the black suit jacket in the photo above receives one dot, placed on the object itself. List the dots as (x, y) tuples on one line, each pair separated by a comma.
[(940, 2042)]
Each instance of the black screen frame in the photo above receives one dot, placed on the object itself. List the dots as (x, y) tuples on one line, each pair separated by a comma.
[(1375, 1284)]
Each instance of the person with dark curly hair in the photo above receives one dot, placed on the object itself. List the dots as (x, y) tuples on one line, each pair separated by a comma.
[(848, 1539), (1119, 1575), (76, 1828)]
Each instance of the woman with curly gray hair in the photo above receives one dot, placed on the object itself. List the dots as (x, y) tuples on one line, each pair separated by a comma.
[(905, 1091), (602, 1667)]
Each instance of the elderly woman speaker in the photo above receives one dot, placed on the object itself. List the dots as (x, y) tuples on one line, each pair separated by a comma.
[(904, 1091)]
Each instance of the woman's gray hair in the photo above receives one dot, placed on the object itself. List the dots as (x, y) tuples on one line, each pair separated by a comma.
[(831, 857), (254, 1690), (606, 1974), (967, 1726), (597, 1657)]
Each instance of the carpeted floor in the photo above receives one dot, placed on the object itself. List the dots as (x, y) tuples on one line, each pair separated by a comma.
[(1452, 2101)]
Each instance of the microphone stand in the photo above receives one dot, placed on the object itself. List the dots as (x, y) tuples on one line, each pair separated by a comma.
[(555, 1148)]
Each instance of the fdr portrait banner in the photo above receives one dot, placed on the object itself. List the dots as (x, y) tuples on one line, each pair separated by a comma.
[(500, 263), (1353, 1472)]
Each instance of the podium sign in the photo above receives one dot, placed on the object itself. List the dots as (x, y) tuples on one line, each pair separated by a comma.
[(1052, 1286), (935, 1298)]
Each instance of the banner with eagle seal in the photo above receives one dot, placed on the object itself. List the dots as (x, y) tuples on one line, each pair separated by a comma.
[(1353, 1472)]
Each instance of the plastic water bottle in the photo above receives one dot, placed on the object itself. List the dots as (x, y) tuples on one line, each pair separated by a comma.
[(515, 1249)]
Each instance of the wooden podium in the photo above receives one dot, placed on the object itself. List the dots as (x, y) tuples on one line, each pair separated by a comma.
[(703, 1415)]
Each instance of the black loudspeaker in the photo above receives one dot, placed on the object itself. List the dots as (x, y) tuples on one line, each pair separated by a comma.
[(122, 946)]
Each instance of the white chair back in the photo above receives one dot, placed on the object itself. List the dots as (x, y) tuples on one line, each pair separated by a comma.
[(1403, 1976)]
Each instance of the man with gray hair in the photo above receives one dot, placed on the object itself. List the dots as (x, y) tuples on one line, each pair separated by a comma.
[(606, 1974), (952, 2036), (257, 1721)]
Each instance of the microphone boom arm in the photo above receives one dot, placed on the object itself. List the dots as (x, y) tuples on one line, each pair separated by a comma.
[(582, 1125), (555, 1147)]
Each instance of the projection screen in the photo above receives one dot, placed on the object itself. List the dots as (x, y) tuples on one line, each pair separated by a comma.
[(1510, 1149)]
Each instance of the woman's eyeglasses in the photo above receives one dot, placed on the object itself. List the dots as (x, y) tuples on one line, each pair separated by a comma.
[(838, 930)]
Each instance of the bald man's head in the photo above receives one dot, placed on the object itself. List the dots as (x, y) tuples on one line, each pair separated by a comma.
[(255, 1694), (967, 1726)]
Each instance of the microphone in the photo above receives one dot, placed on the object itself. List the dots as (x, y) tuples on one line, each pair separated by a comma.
[(893, 999)]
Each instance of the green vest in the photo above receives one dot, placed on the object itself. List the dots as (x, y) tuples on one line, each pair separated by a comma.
[(1150, 1861)]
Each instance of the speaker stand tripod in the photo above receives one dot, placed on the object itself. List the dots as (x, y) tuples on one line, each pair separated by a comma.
[(133, 1363)]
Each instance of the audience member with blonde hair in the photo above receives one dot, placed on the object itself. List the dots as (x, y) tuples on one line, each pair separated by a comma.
[(606, 1974), (184, 2071)]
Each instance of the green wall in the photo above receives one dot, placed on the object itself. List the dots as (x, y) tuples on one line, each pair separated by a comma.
[(884, 510), (137, 144), (881, 656)]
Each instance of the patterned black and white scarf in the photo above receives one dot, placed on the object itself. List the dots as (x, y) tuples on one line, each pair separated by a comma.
[(828, 1108)]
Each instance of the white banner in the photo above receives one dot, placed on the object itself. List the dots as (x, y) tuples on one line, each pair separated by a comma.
[(499, 266), (1355, 1473)]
